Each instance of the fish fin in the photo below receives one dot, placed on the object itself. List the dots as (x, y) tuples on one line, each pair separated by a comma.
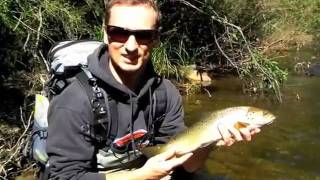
[(238, 125), (152, 150)]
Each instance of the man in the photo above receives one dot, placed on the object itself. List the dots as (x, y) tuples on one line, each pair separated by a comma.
[(125, 72)]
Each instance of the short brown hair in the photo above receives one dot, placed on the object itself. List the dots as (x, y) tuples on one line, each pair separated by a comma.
[(150, 3)]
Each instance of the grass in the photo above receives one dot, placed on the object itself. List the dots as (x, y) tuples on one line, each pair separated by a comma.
[(263, 75), (163, 63), (303, 15), (169, 62), (167, 58)]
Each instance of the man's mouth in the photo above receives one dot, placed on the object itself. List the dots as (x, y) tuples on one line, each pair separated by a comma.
[(130, 58)]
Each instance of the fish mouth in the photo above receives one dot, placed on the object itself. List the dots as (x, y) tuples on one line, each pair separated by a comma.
[(271, 118), (270, 122)]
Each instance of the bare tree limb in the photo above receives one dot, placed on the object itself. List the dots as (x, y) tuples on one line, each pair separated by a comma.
[(26, 42), (39, 27), (44, 61), (30, 28), (224, 54), (16, 148)]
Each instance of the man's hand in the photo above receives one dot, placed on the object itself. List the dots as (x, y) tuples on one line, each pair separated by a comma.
[(231, 135), (162, 165), (159, 167)]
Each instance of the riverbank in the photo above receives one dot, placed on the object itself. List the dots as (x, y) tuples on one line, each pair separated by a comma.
[(291, 24)]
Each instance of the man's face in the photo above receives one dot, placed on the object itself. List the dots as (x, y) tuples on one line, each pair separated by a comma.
[(130, 53)]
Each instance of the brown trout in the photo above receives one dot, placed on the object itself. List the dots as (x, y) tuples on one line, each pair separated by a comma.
[(205, 132)]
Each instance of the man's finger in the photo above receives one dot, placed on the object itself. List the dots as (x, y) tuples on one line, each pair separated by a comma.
[(224, 132), (220, 143), (177, 161), (168, 177), (236, 134), (255, 131), (245, 132), (253, 127), (165, 155)]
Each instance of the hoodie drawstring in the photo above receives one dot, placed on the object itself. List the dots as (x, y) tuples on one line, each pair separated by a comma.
[(133, 142), (150, 118), (149, 122)]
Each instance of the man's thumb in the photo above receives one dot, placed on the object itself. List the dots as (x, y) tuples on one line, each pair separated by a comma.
[(166, 155)]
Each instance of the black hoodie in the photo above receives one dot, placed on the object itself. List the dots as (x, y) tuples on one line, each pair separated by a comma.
[(72, 155)]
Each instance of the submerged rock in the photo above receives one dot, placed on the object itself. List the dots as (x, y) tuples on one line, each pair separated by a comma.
[(193, 74), (308, 68), (313, 69)]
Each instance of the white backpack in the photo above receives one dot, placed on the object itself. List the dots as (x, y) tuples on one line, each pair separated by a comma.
[(66, 59)]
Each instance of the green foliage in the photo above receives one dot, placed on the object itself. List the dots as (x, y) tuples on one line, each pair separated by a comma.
[(58, 19), (223, 34), (29, 28), (192, 88), (167, 58), (201, 32), (162, 62), (305, 14), (4, 11), (302, 15), (263, 75)]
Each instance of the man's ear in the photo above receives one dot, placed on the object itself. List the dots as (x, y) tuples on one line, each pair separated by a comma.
[(105, 37)]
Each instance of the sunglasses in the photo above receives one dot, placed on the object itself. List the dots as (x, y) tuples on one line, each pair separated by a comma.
[(120, 34)]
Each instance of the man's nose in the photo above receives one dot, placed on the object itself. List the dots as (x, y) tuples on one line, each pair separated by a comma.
[(131, 45)]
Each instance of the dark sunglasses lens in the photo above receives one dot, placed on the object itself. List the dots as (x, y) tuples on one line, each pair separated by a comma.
[(118, 34), (145, 36)]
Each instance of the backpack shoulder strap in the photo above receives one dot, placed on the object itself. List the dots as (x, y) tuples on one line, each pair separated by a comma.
[(99, 102), (159, 106), (159, 100), (113, 121)]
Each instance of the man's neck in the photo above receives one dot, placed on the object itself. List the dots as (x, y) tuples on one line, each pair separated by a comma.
[(129, 79)]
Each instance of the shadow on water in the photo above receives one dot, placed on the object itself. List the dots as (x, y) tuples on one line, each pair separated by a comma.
[(287, 149)]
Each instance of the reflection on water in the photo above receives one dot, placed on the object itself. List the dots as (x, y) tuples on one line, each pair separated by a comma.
[(287, 149)]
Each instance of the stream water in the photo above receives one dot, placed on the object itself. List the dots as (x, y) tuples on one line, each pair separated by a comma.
[(287, 149)]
